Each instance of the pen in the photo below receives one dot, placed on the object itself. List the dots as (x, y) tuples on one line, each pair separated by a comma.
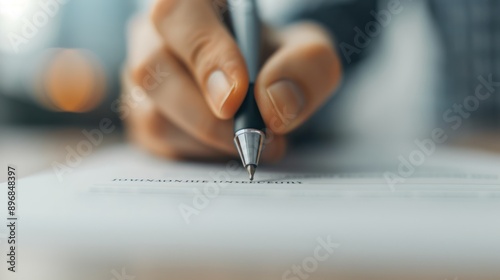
[(248, 124)]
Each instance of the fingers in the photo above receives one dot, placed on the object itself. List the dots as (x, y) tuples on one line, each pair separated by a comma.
[(179, 99), (149, 129), (176, 95), (192, 31), (173, 96), (152, 132), (175, 121), (298, 78)]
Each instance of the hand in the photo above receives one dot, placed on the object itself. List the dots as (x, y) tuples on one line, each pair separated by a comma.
[(195, 78)]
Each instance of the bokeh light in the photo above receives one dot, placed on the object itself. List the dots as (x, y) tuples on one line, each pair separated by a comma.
[(72, 80), (13, 10)]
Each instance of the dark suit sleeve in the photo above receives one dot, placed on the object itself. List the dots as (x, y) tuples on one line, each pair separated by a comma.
[(343, 20)]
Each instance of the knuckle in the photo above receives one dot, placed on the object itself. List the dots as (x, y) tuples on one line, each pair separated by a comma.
[(143, 74), (208, 53), (326, 61), (161, 9), (201, 43), (139, 73), (208, 49), (148, 130), (159, 136)]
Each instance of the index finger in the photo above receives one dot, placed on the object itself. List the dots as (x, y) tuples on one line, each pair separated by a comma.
[(192, 30)]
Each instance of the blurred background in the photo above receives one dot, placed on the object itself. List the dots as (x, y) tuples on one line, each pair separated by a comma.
[(60, 64)]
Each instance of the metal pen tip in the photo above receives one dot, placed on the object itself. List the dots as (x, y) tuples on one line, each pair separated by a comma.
[(251, 171)]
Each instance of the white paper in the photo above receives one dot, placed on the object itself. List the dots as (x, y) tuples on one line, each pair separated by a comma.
[(313, 172), (123, 199)]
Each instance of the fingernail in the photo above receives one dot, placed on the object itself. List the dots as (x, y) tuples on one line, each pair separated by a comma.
[(219, 88), (287, 99)]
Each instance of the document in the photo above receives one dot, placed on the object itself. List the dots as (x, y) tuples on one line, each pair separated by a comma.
[(371, 208), (310, 172)]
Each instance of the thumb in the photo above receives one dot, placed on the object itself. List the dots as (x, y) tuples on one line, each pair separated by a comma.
[(298, 78)]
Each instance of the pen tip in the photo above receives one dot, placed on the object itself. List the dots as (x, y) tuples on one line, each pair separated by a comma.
[(251, 171)]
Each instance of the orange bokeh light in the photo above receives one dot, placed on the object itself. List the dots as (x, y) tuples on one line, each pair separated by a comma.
[(73, 80)]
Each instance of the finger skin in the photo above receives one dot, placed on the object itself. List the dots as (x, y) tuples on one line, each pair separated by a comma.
[(174, 92), (156, 135), (165, 82), (193, 32), (147, 128), (298, 78), (179, 100), (151, 131), (140, 30), (174, 121)]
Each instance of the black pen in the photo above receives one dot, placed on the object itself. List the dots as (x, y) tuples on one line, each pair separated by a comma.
[(248, 124)]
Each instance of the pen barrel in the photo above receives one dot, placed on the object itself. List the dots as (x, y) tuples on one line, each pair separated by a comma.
[(247, 30), (248, 116)]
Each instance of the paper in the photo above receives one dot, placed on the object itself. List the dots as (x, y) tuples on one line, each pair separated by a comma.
[(317, 172), (123, 199)]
